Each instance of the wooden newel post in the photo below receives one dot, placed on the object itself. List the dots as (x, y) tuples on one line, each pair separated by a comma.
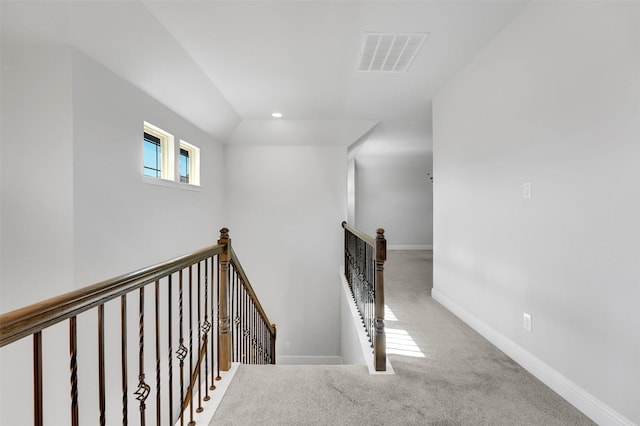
[(223, 308), (273, 344), (380, 351)]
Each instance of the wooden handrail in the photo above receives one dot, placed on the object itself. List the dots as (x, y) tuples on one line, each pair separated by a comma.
[(251, 337), (31, 319), (243, 277), (358, 233)]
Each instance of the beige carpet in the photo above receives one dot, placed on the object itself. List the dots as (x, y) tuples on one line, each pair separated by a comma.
[(460, 379)]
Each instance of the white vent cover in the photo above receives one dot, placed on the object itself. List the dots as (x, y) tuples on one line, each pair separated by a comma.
[(389, 52)]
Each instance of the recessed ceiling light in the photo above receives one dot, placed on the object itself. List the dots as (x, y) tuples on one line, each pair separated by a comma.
[(276, 115)]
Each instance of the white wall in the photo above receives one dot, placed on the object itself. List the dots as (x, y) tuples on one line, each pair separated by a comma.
[(37, 206), (118, 216), (37, 174), (76, 211), (123, 223), (554, 100), (394, 192), (285, 206)]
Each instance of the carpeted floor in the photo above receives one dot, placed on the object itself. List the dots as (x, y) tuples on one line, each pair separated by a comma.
[(446, 374)]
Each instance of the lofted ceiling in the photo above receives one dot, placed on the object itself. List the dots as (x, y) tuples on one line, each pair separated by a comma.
[(227, 65)]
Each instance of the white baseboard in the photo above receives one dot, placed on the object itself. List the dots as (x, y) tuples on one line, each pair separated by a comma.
[(592, 407), (410, 247), (309, 360)]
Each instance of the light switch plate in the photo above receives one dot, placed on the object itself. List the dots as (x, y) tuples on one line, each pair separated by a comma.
[(526, 190), (526, 321)]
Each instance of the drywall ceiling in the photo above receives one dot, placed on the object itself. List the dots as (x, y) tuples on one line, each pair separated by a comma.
[(300, 57), (218, 63)]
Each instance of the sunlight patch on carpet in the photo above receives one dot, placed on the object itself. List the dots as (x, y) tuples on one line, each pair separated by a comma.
[(388, 314), (399, 342)]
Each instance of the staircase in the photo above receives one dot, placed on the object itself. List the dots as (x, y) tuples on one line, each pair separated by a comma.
[(149, 345)]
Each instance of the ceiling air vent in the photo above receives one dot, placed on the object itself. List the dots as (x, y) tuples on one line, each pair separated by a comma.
[(389, 52)]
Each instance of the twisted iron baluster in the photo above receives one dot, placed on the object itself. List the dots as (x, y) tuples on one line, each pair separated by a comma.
[(157, 320), (181, 353), (200, 409), (206, 328), (191, 422), (73, 366), (143, 389)]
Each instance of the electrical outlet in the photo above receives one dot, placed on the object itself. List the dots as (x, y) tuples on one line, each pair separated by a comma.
[(526, 321)]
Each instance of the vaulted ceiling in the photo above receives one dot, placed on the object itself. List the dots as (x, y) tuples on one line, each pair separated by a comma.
[(227, 65)]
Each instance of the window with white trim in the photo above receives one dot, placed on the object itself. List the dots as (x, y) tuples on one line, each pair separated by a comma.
[(189, 164), (158, 155), (159, 159)]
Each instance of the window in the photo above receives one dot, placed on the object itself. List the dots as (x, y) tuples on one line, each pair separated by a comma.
[(152, 155), (189, 167), (184, 166), (158, 153)]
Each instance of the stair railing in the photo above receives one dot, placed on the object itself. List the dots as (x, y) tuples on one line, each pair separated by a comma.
[(253, 336), (186, 303), (364, 258)]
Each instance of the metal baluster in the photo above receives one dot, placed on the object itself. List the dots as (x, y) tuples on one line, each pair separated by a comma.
[(260, 332), (264, 342), (207, 327), (191, 422), (248, 325), (232, 286), (123, 359), (261, 338), (252, 312), (143, 389), (182, 350), (365, 288), (37, 379), (254, 340), (214, 319), (157, 318), (236, 322), (169, 339), (236, 302), (101, 384), (245, 327), (255, 332), (73, 367), (218, 377), (200, 409), (367, 260), (265, 339)]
